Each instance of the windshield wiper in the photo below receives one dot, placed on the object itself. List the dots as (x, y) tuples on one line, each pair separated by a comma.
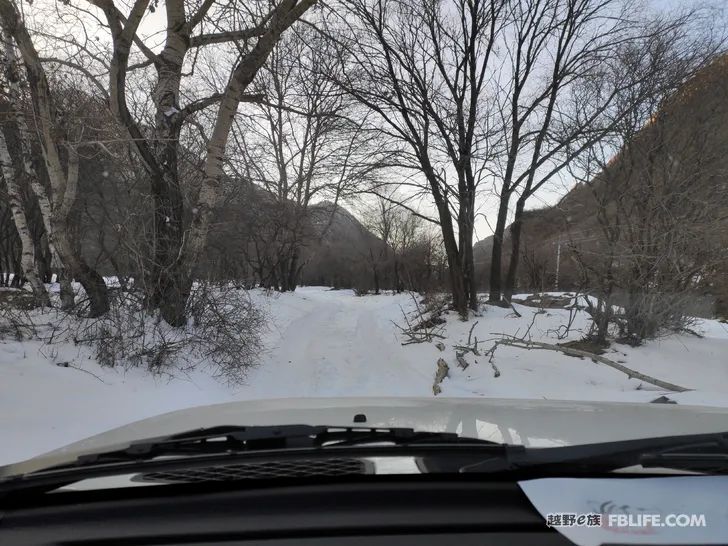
[(695, 453), (231, 443), (434, 452), (698, 452), (237, 439)]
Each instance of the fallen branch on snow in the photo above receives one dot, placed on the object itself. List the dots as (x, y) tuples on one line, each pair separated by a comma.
[(523, 344), (423, 331), (470, 347), (69, 365), (442, 371), (466, 349), (490, 353), (460, 357)]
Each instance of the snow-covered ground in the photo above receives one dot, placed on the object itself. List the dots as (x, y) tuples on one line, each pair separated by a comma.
[(322, 342)]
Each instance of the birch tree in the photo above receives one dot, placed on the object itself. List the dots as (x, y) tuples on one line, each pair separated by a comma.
[(15, 201), (17, 106), (190, 27), (60, 157)]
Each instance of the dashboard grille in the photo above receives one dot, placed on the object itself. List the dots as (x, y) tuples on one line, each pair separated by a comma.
[(261, 470)]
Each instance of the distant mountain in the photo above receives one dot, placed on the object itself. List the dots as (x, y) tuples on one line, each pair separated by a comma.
[(482, 250), (693, 134), (336, 225), (341, 254), (250, 224)]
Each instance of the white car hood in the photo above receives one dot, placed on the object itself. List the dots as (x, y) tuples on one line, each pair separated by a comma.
[(539, 423)]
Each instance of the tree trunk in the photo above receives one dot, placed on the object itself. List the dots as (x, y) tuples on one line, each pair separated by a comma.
[(496, 259), (14, 99), (454, 262), (64, 182), (293, 271), (466, 249), (375, 272), (164, 284), (516, 229), (68, 297), (88, 278), (168, 290), (27, 247), (457, 281), (283, 17)]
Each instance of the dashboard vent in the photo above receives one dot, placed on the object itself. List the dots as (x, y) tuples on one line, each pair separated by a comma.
[(261, 470)]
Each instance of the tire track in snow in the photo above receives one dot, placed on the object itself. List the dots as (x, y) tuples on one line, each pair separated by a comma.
[(338, 348)]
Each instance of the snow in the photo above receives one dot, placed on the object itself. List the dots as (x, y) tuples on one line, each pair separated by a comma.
[(323, 342)]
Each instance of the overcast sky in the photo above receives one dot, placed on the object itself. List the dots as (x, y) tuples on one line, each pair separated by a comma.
[(154, 24)]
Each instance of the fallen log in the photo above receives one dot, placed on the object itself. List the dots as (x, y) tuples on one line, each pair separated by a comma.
[(632, 374)]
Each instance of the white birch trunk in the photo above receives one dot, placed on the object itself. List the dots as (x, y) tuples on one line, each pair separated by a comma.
[(286, 14), (27, 252), (51, 137), (44, 203)]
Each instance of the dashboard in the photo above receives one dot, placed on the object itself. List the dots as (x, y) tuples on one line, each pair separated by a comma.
[(381, 510)]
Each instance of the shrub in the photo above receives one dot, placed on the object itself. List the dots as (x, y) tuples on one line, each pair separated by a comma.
[(223, 333)]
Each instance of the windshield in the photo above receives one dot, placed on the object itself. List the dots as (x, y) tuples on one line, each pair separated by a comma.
[(504, 219)]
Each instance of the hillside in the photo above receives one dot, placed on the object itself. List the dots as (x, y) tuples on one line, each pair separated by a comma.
[(250, 230), (681, 154), (339, 253)]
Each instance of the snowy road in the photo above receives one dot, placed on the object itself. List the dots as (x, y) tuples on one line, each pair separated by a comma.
[(339, 346), (323, 342)]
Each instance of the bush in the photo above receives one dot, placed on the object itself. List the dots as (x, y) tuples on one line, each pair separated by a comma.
[(434, 303), (223, 333), (636, 318), (649, 315), (226, 330)]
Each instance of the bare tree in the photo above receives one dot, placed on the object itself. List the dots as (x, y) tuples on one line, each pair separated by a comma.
[(17, 209), (19, 110), (251, 33), (464, 115), (653, 184), (406, 245), (380, 220), (302, 144), (61, 160), (16, 204), (551, 45), (422, 68)]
